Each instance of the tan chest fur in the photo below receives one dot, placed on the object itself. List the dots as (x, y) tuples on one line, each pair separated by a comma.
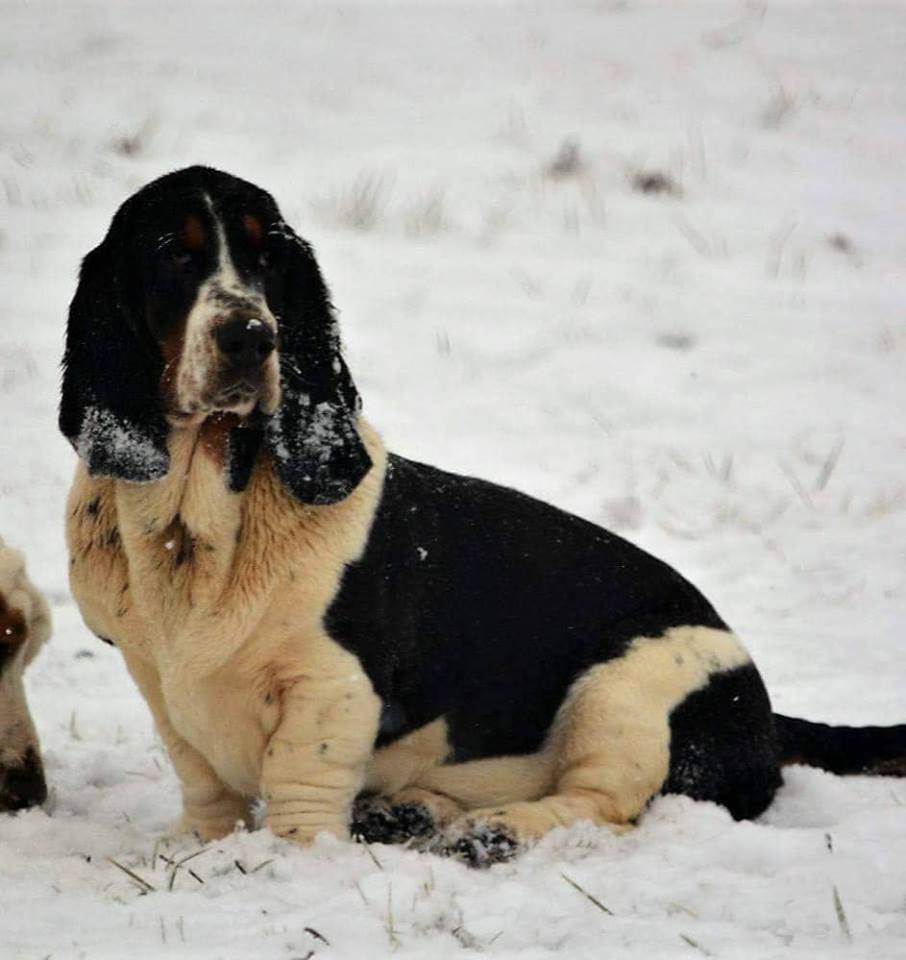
[(220, 594)]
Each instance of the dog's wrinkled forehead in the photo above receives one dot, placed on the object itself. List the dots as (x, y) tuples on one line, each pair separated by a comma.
[(194, 220)]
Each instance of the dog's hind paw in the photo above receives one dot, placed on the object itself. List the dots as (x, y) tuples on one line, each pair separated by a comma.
[(376, 820), (478, 845)]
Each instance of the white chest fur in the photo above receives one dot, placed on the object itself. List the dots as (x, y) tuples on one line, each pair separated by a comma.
[(215, 598)]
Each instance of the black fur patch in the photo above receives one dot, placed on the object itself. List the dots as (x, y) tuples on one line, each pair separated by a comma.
[(879, 751), (480, 604), (245, 442), (723, 746)]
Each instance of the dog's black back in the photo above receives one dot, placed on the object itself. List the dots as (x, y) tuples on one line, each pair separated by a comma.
[(470, 594)]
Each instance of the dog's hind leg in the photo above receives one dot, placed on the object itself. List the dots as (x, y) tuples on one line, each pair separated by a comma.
[(412, 814), (411, 792), (610, 744), (391, 809)]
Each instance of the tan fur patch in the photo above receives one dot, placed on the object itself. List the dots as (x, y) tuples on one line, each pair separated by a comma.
[(250, 695), (215, 434), (407, 759), (193, 235), (495, 780), (253, 228), (22, 599), (25, 626), (608, 752)]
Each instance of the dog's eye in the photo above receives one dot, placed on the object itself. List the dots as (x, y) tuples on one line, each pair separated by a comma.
[(181, 258)]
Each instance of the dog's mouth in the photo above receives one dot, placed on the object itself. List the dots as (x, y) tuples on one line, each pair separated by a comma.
[(237, 396), (240, 401), (243, 396)]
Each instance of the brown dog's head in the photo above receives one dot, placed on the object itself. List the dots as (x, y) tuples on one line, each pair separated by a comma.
[(202, 300), (24, 626)]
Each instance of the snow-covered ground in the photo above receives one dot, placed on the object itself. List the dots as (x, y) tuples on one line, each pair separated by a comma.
[(647, 261)]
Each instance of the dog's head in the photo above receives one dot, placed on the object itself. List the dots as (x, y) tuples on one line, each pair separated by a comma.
[(24, 626), (202, 300)]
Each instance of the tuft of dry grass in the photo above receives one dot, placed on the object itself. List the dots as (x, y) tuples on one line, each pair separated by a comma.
[(392, 934), (592, 899), (360, 205), (828, 465), (737, 30), (778, 109), (776, 243), (675, 340), (134, 144), (841, 915), (844, 245), (11, 194), (713, 246), (695, 945), (655, 182), (426, 216), (567, 161), (143, 885)]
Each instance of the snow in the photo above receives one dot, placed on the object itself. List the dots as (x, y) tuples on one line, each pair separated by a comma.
[(714, 368), (127, 444)]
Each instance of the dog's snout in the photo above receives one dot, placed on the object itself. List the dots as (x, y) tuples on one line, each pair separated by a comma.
[(245, 342), (23, 786)]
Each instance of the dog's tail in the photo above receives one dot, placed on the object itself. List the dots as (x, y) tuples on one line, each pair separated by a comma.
[(877, 751)]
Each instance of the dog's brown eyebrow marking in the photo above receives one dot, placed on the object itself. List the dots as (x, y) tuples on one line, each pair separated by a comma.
[(253, 228), (193, 234)]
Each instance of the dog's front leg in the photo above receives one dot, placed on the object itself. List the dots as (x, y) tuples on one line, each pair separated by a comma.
[(210, 808), (314, 764)]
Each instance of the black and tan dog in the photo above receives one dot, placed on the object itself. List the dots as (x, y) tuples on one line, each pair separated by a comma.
[(309, 617), (24, 626)]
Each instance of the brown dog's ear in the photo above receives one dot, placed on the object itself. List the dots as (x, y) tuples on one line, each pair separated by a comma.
[(110, 409), (312, 438)]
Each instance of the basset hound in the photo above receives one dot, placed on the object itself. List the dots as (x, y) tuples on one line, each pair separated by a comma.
[(313, 620)]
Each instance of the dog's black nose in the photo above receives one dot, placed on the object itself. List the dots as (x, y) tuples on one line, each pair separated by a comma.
[(23, 786), (245, 342)]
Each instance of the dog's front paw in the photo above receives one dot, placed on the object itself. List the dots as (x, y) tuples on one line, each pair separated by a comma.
[(213, 821), (304, 830), (477, 844), (215, 828), (376, 820)]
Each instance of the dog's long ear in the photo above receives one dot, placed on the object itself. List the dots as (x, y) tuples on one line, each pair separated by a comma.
[(312, 438), (110, 409)]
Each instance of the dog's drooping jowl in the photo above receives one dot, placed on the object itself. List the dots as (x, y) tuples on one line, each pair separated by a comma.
[(24, 626), (313, 620)]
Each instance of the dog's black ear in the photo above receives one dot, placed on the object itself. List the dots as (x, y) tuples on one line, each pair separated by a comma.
[(110, 409), (312, 438)]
